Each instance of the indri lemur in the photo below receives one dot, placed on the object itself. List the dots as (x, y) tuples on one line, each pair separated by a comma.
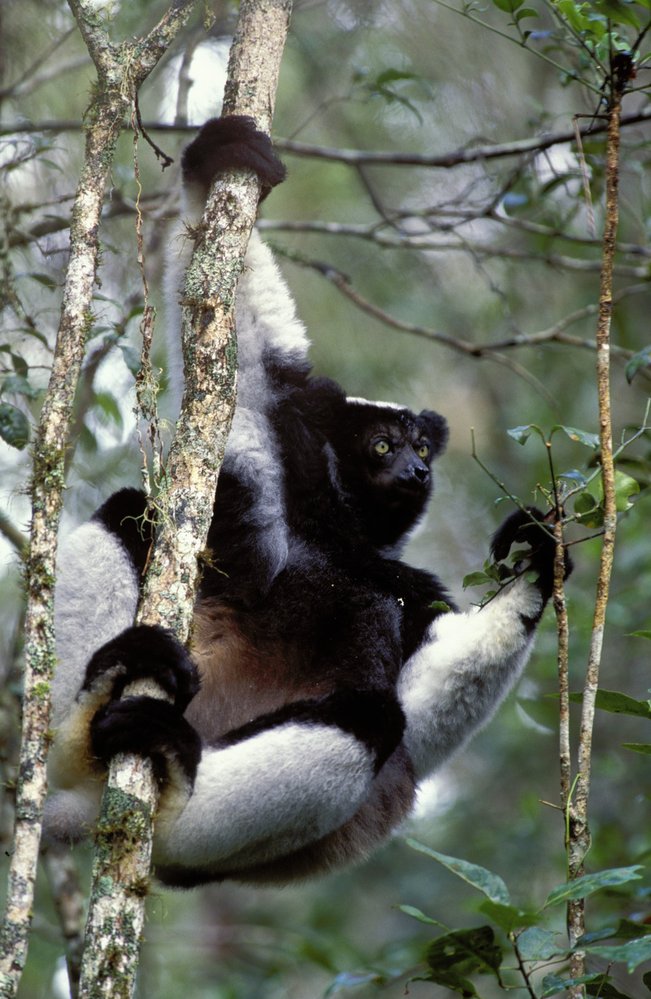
[(332, 676)]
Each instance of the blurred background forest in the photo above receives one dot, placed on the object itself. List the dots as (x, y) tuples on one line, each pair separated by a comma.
[(484, 253)]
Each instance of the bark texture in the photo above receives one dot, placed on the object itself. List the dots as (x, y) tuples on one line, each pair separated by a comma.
[(120, 71), (123, 855)]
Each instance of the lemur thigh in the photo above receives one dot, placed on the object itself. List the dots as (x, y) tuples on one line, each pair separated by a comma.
[(265, 797)]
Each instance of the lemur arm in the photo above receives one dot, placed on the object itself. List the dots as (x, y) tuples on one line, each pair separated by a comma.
[(469, 661)]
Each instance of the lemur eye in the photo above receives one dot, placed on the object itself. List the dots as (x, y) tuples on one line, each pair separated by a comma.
[(422, 450), (382, 446)]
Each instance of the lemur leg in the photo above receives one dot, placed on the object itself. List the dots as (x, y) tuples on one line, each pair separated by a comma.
[(98, 574), (275, 784), (263, 798)]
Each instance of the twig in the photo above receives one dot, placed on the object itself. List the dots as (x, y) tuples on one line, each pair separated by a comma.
[(579, 829), (13, 534), (68, 898), (521, 966), (554, 333), (31, 78), (353, 157)]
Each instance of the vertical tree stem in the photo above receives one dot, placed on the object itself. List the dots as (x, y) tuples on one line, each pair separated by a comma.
[(120, 73), (46, 491), (578, 811), (562, 630), (125, 828)]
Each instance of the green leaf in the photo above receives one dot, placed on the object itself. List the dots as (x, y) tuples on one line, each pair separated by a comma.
[(641, 634), (538, 944), (462, 952), (587, 510), (131, 358), (618, 703), (574, 475), (14, 426), (639, 361), (490, 884), (626, 929), (632, 953), (625, 487), (524, 12), (619, 12), (523, 433), (507, 917), (18, 385), (553, 984), (580, 436), (20, 365), (638, 747), (508, 6), (476, 579), (411, 910), (393, 75), (591, 883), (45, 279), (109, 406), (603, 988)]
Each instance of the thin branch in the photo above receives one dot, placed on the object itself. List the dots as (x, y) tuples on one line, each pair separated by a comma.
[(456, 157), (24, 83), (95, 36), (400, 240), (479, 250), (578, 813), (471, 16), (13, 534), (68, 899), (150, 49), (29, 83), (554, 334)]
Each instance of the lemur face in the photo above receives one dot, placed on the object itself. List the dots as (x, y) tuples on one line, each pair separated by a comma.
[(397, 458), (395, 448)]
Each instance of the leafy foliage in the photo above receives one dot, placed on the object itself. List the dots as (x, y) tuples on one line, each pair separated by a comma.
[(454, 958)]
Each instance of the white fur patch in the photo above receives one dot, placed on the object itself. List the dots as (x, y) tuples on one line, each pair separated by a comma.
[(70, 815), (266, 323), (455, 681), (266, 796), (358, 401), (95, 599), (252, 456)]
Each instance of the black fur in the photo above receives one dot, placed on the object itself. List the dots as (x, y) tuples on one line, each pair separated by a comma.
[(141, 652), (231, 143), (534, 531), (125, 515), (149, 727), (323, 638), (346, 615)]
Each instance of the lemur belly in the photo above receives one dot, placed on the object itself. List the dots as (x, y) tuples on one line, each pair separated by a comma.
[(242, 679)]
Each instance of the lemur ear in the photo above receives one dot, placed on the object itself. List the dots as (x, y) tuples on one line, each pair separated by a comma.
[(436, 428)]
